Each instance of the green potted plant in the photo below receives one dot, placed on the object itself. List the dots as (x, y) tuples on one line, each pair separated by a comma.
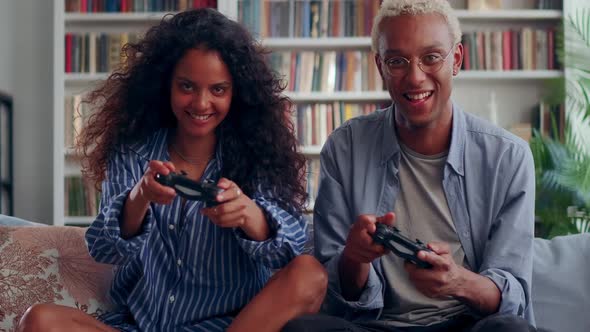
[(563, 168)]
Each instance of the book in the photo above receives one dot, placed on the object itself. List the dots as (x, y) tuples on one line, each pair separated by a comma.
[(484, 4)]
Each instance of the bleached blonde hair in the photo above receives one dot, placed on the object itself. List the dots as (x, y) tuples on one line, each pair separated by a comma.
[(394, 8)]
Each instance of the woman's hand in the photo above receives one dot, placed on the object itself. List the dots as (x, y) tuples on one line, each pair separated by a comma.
[(146, 190), (149, 190), (235, 209)]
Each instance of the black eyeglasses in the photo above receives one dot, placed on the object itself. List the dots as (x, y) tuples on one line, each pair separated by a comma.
[(429, 63)]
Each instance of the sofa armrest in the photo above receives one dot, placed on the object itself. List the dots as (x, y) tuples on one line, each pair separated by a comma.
[(49, 264)]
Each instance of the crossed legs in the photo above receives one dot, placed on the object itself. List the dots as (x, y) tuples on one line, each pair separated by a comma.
[(297, 289), (48, 317)]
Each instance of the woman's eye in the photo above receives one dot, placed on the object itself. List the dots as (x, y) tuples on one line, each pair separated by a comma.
[(186, 86), (218, 90)]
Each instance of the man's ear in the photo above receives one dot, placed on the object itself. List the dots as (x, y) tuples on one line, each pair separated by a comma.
[(457, 59)]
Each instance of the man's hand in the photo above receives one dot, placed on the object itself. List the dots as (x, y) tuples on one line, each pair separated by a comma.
[(447, 279), (360, 247), (359, 252), (442, 279)]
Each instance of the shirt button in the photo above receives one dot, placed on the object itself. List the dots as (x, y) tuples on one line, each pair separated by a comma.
[(171, 298), (171, 227), (179, 262)]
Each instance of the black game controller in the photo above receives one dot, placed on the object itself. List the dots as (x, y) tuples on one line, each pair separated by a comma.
[(205, 191), (388, 236)]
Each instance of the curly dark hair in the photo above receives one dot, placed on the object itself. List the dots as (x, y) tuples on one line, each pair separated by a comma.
[(257, 135)]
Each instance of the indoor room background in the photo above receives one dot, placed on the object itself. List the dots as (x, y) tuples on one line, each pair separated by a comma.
[(32, 72)]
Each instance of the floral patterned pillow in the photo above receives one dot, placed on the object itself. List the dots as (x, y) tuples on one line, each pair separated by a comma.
[(49, 265)]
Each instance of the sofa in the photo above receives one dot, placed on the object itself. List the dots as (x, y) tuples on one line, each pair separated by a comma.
[(48, 264), (40, 264)]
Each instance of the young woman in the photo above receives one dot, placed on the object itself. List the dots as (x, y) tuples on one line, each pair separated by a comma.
[(195, 95)]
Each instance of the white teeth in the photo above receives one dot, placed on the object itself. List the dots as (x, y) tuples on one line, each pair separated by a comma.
[(419, 96), (200, 117)]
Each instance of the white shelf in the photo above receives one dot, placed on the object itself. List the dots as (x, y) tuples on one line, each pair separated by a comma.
[(508, 74), (310, 150), (77, 79), (463, 14), (507, 14), (309, 208), (346, 96), (70, 152), (114, 17), (317, 43), (84, 78), (71, 168)]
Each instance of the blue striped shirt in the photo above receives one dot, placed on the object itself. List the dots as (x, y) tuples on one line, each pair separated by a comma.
[(182, 272)]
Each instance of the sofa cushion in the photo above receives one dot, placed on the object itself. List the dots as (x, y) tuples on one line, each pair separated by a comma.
[(49, 265), (561, 283)]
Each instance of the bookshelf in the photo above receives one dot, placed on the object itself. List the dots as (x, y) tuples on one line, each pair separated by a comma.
[(6, 153), (515, 92), (469, 79), (70, 18)]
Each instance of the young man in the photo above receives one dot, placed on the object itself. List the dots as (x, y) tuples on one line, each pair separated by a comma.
[(438, 174)]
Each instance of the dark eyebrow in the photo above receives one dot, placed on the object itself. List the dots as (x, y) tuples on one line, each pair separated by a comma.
[(182, 78)]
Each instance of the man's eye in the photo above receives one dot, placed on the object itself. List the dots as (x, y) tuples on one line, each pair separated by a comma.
[(396, 62), (431, 58)]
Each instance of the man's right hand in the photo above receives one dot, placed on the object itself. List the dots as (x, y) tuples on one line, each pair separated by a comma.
[(359, 252), (360, 247)]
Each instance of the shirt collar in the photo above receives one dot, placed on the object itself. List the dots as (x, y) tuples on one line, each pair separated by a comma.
[(391, 148), (455, 159)]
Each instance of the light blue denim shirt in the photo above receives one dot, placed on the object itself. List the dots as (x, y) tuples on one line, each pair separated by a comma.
[(489, 185)]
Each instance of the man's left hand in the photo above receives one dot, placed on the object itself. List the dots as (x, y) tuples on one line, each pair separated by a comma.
[(443, 278)]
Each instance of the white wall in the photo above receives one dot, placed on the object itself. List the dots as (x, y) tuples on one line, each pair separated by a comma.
[(32, 91), (570, 5), (6, 46), (522, 4)]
